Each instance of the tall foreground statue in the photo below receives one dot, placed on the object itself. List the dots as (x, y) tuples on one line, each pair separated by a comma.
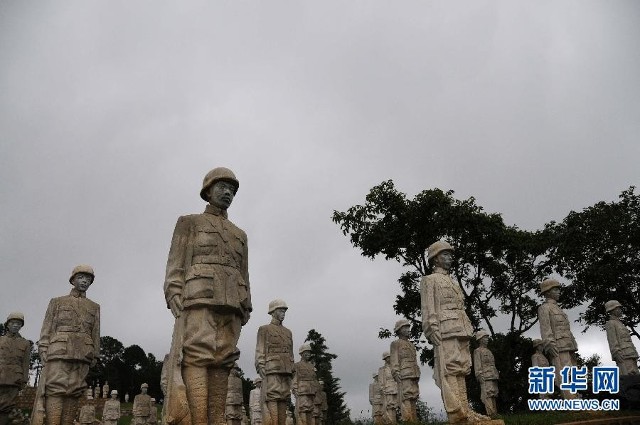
[(207, 289), (555, 332), (14, 364), (623, 352), (405, 370), (447, 327), (69, 345)]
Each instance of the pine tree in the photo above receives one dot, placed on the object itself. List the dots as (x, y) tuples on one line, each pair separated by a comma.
[(338, 411)]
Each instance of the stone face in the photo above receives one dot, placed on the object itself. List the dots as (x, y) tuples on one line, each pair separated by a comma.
[(623, 352), (14, 364), (274, 364), (69, 344), (406, 372), (447, 327), (207, 289), (555, 331), (487, 375)]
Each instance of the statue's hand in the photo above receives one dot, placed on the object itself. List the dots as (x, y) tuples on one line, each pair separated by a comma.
[(175, 304), (553, 351), (43, 356), (435, 338)]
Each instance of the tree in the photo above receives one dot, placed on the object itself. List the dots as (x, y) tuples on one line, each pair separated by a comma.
[(337, 409), (498, 266), (598, 249)]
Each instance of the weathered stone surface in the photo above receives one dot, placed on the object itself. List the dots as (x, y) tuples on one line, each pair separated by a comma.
[(14, 364), (405, 371), (623, 352), (486, 373)]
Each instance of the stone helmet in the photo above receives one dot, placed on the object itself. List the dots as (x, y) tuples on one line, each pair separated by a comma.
[(145, 385), (273, 305), (548, 284), (375, 375), (537, 342), (401, 323), (82, 268), (609, 305), (480, 334), (16, 315), (385, 355), (304, 347), (114, 392), (257, 381), (436, 248), (220, 173)]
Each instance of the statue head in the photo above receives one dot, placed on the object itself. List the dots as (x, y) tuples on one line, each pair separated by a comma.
[(614, 308), (305, 351), (217, 175), (82, 277), (14, 322), (386, 357), (550, 288), (440, 254), (114, 394), (482, 337), (278, 309), (402, 328), (144, 388)]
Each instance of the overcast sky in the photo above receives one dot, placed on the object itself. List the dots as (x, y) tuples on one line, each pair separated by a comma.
[(112, 112)]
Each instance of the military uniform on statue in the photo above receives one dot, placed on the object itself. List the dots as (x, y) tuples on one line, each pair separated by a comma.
[(274, 363), (207, 289), (14, 365)]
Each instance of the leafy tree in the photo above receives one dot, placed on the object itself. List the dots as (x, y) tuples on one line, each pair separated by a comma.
[(337, 409), (598, 249)]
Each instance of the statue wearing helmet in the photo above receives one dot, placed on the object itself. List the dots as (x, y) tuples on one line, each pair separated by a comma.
[(389, 388), (555, 332), (484, 365), (69, 345), (274, 364), (142, 406), (207, 290), (14, 364), (623, 352), (446, 325), (111, 410), (234, 407), (375, 399), (405, 370), (303, 386)]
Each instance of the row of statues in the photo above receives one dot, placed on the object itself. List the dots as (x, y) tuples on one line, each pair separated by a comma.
[(207, 290)]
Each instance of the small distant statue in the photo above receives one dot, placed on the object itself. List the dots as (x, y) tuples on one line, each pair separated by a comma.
[(105, 389), (142, 406), (446, 325), (289, 420), (96, 392), (14, 365), (111, 411), (487, 374), (126, 397), (88, 411), (389, 388), (303, 386), (375, 399), (274, 363), (69, 345), (539, 360), (623, 352), (405, 370), (153, 413), (234, 398), (255, 402), (555, 330)]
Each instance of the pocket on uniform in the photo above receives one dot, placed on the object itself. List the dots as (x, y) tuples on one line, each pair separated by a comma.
[(450, 323), (57, 345)]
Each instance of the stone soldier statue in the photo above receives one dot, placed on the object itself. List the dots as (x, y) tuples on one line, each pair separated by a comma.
[(142, 406), (623, 352), (14, 364), (447, 327), (405, 370), (255, 403), (207, 289), (303, 386), (289, 420), (96, 392), (538, 359), (88, 410), (153, 412), (274, 363), (105, 390), (389, 388), (487, 375), (69, 345), (375, 399), (234, 398), (555, 330), (111, 411)]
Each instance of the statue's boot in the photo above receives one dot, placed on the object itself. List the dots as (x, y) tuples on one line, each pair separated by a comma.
[(195, 380), (473, 416), (218, 382), (459, 413), (53, 409), (69, 410), (492, 410), (409, 413)]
